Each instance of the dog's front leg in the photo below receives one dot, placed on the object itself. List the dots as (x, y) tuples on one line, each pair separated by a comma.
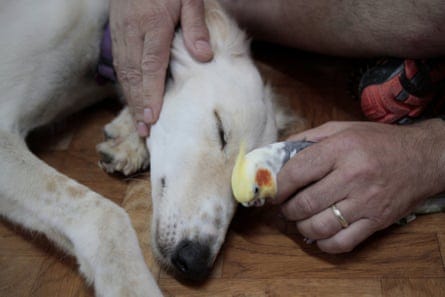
[(94, 229)]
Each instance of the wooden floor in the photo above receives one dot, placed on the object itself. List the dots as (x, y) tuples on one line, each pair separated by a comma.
[(263, 255)]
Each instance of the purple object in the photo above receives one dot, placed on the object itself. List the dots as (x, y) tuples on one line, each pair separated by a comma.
[(105, 69)]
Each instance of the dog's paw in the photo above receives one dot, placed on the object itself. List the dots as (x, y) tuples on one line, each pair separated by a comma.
[(126, 155), (123, 150)]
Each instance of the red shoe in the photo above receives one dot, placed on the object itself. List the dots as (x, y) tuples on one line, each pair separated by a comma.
[(398, 91)]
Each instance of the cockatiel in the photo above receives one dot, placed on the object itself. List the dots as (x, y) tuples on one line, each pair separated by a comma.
[(254, 177), (255, 174)]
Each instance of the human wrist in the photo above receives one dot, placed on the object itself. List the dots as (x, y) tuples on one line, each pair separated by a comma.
[(431, 142)]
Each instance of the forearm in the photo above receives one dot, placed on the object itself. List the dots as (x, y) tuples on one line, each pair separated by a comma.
[(347, 28), (431, 144)]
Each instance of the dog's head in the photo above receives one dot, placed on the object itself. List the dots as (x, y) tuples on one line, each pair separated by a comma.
[(209, 109)]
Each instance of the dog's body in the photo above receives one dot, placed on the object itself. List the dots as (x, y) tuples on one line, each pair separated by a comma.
[(48, 53)]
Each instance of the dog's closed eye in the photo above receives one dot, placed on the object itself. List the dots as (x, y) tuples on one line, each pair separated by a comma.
[(163, 186), (221, 132)]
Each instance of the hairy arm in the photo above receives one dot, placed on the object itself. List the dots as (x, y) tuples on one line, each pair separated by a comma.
[(347, 28)]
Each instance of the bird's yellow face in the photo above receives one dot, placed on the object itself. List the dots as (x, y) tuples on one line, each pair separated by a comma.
[(251, 180), (241, 179)]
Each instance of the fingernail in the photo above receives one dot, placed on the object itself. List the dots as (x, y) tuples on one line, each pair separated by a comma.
[(142, 129), (148, 116), (203, 47)]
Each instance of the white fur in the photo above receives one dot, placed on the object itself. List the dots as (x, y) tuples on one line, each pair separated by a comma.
[(48, 51), (185, 146)]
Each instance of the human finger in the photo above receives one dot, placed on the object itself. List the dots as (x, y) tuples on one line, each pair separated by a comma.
[(131, 78), (127, 40), (196, 33), (326, 224), (348, 238), (155, 58), (316, 197), (306, 167), (119, 18)]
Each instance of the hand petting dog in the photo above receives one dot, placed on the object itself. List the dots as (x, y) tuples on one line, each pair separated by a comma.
[(142, 32)]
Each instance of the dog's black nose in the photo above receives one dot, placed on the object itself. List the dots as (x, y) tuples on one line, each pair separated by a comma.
[(191, 260)]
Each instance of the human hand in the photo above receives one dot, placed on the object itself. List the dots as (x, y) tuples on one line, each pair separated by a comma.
[(374, 174), (142, 32)]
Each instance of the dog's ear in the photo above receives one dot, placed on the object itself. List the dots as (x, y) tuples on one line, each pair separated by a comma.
[(226, 36), (287, 120)]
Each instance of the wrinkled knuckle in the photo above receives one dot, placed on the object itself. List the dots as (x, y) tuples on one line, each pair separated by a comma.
[(371, 166), (383, 218), (366, 170), (131, 76), (375, 223), (349, 175), (152, 64), (155, 18), (354, 175), (306, 204), (374, 191), (138, 111)]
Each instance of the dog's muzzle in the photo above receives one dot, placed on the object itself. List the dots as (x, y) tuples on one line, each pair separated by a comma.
[(192, 260)]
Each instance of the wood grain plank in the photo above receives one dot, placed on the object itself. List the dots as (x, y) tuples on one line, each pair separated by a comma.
[(277, 256), (59, 277), (18, 275), (301, 287), (431, 287), (15, 241), (441, 239), (424, 223)]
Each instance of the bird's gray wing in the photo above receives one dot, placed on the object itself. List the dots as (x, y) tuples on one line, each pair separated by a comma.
[(291, 148)]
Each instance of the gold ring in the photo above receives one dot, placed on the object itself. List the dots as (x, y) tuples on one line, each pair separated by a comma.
[(340, 218)]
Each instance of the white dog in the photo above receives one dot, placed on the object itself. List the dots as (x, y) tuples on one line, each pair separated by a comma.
[(48, 51)]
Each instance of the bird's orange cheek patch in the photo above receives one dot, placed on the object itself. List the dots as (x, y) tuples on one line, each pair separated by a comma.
[(263, 177)]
